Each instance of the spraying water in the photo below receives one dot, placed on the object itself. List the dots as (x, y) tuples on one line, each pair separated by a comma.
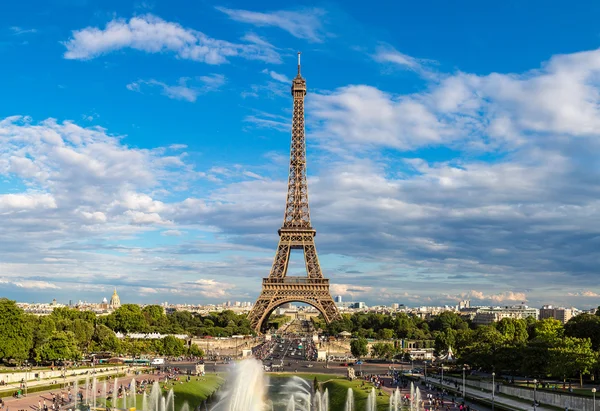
[(372, 400), (247, 389), (115, 392), (170, 401), (291, 404), (145, 402), (133, 393), (87, 386), (104, 388), (76, 391), (349, 400), (94, 391), (395, 401)]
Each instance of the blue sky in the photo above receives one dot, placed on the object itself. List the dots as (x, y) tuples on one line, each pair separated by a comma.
[(144, 145)]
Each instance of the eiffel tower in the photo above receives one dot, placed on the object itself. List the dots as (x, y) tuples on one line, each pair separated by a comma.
[(295, 234)]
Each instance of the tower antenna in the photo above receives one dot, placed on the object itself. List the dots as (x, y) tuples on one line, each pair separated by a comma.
[(299, 63)]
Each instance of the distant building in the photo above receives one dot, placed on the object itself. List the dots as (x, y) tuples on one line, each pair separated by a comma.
[(338, 298), (488, 315), (464, 304), (115, 301), (558, 313)]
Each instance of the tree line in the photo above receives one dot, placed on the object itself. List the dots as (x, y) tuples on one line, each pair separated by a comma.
[(68, 334), (528, 347)]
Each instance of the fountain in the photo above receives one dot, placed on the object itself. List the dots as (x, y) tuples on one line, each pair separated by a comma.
[(115, 393), (94, 391), (395, 401), (349, 400), (170, 404), (104, 390), (372, 400), (325, 401), (291, 404), (75, 391), (133, 392), (87, 386), (246, 390)]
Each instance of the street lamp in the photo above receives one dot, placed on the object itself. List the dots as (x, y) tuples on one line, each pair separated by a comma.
[(493, 388), (594, 394), (534, 399), (464, 369)]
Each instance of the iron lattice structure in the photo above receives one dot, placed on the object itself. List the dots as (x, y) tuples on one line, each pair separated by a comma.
[(296, 233)]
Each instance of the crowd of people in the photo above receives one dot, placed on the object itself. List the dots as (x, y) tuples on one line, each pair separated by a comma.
[(311, 350), (263, 350)]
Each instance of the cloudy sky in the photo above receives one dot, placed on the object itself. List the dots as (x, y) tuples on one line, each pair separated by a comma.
[(453, 151)]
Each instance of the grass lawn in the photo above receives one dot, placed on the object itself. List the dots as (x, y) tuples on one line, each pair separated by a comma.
[(193, 392), (338, 390), (337, 387)]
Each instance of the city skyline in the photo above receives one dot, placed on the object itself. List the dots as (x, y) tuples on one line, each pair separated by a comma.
[(144, 146)]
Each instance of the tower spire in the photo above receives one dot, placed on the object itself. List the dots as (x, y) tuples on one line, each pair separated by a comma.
[(299, 75)]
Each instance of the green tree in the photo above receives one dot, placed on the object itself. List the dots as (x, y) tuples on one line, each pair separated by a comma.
[(483, 351), (105, 339), (445, 339), (127, 318), (83, 332), (195, 351), (585, 326), (548, 330), (448, 320), (385, 334), (359, 347), (573, 356), (172, 346), (382, 350), (44, 327), (16, 334), (59, 346)]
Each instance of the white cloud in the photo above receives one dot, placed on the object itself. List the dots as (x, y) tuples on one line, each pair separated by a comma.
[(305, 24), (172, 233), (388, 54), (349, 290), (21, 202), (468, 111), (277, 76), (187, 89), (20, 30), (209, 288), (152, 34), (30, 284), (587, 293)]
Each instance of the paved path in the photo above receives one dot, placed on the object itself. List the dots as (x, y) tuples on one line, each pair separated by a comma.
[(487, 396)]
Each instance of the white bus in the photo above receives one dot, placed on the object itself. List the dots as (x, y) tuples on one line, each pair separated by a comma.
[(158, 361)]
